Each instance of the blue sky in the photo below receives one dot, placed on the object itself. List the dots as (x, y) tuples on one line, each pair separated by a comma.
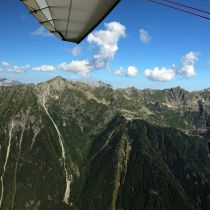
[(154, 47)]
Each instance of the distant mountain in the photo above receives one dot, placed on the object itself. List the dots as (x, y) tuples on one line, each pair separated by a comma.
[(6, 82), (72, 145)]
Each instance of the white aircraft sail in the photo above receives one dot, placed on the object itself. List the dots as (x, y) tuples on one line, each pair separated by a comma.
[(70, 20)]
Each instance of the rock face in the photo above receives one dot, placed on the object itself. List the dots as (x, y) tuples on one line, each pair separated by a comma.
[(66, 145)]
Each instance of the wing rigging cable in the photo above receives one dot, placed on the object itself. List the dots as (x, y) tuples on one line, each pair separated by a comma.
[(171, 3), (70, 20), (190, 7)]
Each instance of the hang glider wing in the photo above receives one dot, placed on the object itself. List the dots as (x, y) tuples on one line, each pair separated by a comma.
[(70, 20)]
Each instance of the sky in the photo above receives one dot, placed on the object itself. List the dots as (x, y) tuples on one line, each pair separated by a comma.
[(138, 44)]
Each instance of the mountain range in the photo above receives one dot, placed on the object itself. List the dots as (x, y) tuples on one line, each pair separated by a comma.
[(72, 145), (6, 82)]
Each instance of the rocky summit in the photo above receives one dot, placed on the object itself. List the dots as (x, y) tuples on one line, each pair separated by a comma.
[(70, 145)]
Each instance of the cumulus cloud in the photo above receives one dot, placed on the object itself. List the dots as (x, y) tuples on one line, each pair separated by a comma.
[(76, 51), (41, 31), (76, 66), (160, 74), (120, 71), (188, 64), (5, 66), (186, 69), (44, 68), (107, 43), (20, 69), (144, 36), (131, 71)]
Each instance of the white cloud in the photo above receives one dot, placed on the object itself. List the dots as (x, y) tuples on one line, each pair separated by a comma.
[(20, 69), (160, 74), (76, 66), (144, 36), (120, 71), (107, 46), (132, 71), (186, 69), (16, 69), (44, 68), (76, 51), (107, 42), (41, 31), (5, 65), (188, 61)]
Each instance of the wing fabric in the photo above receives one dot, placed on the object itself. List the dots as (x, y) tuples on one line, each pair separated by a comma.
[(70, 20)]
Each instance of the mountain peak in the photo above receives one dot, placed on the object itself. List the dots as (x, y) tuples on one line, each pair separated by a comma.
[(58, 79), (6, 82)]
